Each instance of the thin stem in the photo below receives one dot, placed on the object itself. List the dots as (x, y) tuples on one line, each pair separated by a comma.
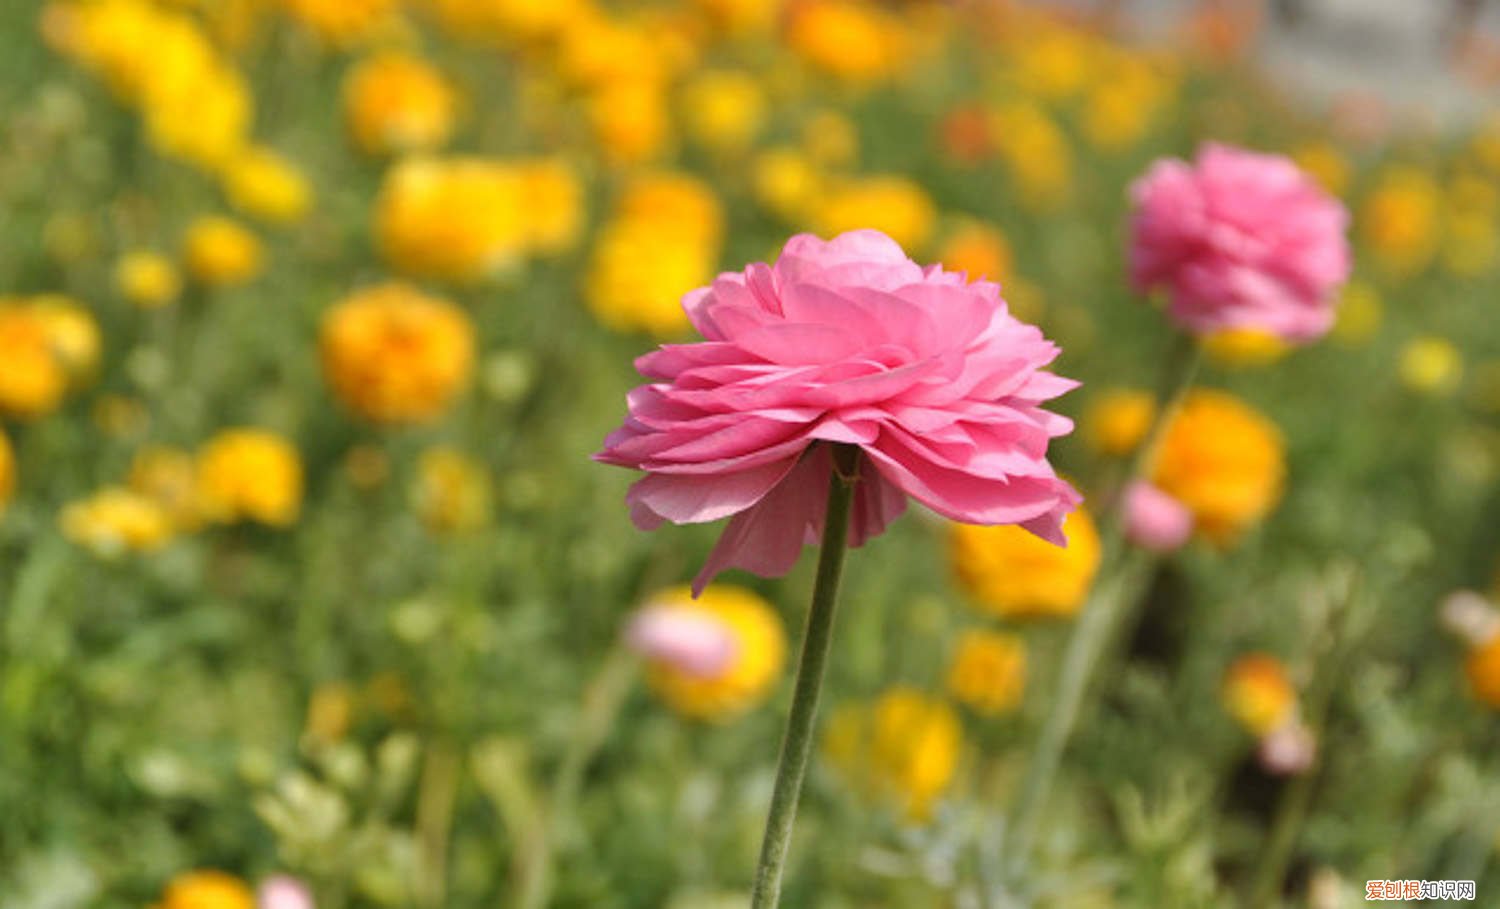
[(797, 743), (1099, 618)]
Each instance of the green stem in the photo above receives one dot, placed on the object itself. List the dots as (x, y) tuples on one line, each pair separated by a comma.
[(797, 743), (1101, 615)]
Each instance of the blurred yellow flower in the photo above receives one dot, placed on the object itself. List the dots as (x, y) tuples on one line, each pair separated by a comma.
[(1222, 459), (988, 671), (853, 40), (396, 102), (114, 521), (904, 747), (1431, 365), (205, 121), (894, 205), (452, 493), (508, 20), (345, 22), (1012, 573), (207, 890), (72, 334), (7, 472), (33, 380), (1359, 314), (977, 248), (457, 219), (1054, 61), (724, 110), (1398, 220), (638, 274), (219, 252), (395, 355), (598, 52), (1471, 244), (754, 667), (249, 475), (742, 17), (678, 203), (1244, 347), (552, 197), (1117, 420), (330, 713), (1326, 164), (1037, 154), (630, 120), (262, 184), (168, 477), (366, 466), (147, 279), (831, 139), (1258, 693), (1483, 670), (786, 184)]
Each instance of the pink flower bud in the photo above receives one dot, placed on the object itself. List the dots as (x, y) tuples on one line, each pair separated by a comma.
[(1288, 750), (281, 891), (1155, 520), (693, 641)]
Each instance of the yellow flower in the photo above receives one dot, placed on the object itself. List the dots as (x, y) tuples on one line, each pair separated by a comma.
[(1399, 221), (1471, 245), (786, 183), (204, 121), (1116, 421), (508, 20), (207, 890), (168, 477), (345, 22), (1431, 365), (366, 466), (7, 472), (742, 17), (1037, 154), (72, 334), (33, 380), (724, 110), (1483, 670), (219, 252), (452, 493), (1123, 104), (1359, 314), (638, 274), (147, 279), (758, 654), (1012, 573), (896, 206), (1244, 347), (264, 185), (1223, 460), (851, 40), (1326, 164), (330, 713), (676, 203), (460, 219), (630, 120), (905, 747), (395, 102), (1259, 694), (394, 355), (597, 52), (249, 475), (552, 197), (1055, 62), (831, 139), (116, 520), (988, 671), (979, 249)]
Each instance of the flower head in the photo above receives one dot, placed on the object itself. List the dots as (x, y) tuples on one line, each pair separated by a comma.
[(395, 102), (1155, 520), (710, 658), (147, 279), (207, 890), (904, 746), (281, 891), (843, 342), (250, 474), (1013, 574), (395, 355), (1240, 240), (988, 671), (1258, 693), (7, 471), (222, 253)]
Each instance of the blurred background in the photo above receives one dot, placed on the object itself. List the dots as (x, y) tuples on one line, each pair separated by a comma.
[(312, 312)]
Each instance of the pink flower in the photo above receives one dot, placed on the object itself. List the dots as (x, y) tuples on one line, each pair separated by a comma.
[(846, 341), (1239, 240), (694, 641), (282, 891), (1155, 520), (1288, 750)]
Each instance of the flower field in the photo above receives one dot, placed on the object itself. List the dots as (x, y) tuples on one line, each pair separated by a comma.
[(360, 545)]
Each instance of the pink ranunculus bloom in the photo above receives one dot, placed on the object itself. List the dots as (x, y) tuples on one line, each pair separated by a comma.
[(844, 341), (1239, 240), (1155, 520), (283, 891), (694, 641)]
